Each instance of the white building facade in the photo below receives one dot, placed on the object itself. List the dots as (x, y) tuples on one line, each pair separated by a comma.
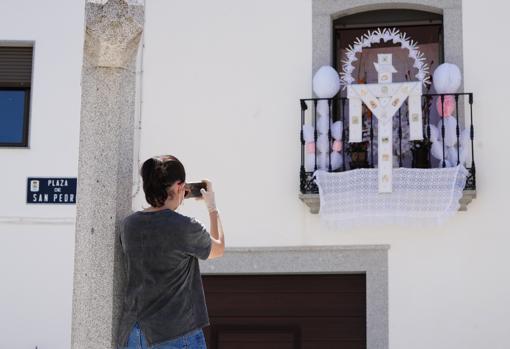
[(219, 85)]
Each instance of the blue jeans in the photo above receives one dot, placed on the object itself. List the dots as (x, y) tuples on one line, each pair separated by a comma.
[(191, 340)]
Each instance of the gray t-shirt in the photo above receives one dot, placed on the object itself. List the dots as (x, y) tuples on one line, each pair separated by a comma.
[(164, 288)]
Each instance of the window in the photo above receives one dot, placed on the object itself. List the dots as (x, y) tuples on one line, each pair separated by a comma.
[(424, 27), (15, 84), (336, 27)]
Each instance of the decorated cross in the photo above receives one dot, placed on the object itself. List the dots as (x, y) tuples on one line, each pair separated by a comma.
[(384, 99)]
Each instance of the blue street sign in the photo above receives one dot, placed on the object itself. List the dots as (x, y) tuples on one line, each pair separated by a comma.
[(51, 190)]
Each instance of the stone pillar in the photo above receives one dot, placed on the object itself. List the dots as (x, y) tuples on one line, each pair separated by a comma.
[(113, 32)]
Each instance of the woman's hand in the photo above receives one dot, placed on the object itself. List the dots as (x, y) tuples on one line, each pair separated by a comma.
[(208, 196)]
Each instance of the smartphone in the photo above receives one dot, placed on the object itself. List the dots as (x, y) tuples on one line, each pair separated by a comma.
[(193, 189)]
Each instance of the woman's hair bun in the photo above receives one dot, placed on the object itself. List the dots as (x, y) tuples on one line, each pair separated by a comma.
[(158, 173)]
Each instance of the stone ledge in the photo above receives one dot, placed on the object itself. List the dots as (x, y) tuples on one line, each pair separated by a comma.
[(313, 201), (307, 248)]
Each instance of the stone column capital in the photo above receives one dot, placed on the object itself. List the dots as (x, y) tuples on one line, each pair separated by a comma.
[(113, 31)]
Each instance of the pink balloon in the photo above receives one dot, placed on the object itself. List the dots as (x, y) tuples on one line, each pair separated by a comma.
[(448, 103), (310, 148), (337, 146)]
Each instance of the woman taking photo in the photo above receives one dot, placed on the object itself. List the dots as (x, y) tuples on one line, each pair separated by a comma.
[(164, 304)]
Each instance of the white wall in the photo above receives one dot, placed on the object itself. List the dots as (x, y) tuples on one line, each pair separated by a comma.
[(36, 260), (221, 86)]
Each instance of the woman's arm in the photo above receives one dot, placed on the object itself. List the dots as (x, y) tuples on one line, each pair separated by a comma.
[(216, 229), (217, 238)]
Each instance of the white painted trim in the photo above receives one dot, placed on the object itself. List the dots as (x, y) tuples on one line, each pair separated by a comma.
[(37, 220)]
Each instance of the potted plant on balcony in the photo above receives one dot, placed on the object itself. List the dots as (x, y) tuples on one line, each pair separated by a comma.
[(421, 150), (358, 154)]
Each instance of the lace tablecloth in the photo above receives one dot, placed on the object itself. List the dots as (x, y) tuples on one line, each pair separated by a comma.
[(420, 196)]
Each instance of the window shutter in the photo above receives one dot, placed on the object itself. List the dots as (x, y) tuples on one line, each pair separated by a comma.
[(15, 66)]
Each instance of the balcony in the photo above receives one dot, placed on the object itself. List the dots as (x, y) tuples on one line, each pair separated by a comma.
[(448, 144)]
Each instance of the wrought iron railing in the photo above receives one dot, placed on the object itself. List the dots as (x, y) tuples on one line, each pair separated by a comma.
[(419, 155)]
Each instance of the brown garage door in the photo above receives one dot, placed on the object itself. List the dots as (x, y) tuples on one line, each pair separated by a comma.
[(286, 311)]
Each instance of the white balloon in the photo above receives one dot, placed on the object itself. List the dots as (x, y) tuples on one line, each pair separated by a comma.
[(326, 82), (323, 108), (336, 130), (447, 164), (323, 124), (447, 78), (323, 143), (450, 125), (323, 161), (336, 160), (465, 156), (308, 132), (451, 131), (436, 150), (452, 155), (434, 133), (465, 138), (309, 162)]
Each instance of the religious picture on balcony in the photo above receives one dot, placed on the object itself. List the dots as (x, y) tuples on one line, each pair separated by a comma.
[(385, 98), (390, 128)]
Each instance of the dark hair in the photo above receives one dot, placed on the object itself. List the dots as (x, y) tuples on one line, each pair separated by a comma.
[(158, 173)]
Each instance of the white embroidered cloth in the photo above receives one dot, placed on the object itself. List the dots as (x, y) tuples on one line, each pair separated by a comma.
[(421, 196)]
